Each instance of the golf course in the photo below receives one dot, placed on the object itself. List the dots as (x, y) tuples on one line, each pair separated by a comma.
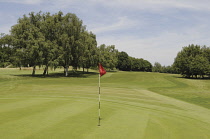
[(134, 105)]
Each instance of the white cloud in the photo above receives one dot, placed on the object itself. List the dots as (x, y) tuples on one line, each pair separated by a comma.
[(5, 29), (56, 5), (23, 1), (154, 5), (162, 48), (151, 29), (122, 23), (6, 22)]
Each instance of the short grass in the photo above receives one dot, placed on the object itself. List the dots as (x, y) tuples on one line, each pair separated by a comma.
[(134, 105)]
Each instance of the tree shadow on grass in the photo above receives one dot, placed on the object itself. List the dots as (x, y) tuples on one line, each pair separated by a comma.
[(73, 74), (187, 78)]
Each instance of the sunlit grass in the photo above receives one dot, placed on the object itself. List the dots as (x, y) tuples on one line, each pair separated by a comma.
[(133, 105)]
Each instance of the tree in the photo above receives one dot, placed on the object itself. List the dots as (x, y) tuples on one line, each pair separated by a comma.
[(50, 47), (192, 61), (147, 66), (140, 64), (29, 39), (88, 50), (157, 67), (69, 32), (199, 66), (124, 63), (136, 64), (108, 56), (48, 40), (6, 50)]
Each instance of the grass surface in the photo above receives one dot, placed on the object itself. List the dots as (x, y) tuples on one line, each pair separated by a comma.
[(134, 105)]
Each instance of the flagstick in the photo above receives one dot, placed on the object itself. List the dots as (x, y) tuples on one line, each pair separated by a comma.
[(99, 99)]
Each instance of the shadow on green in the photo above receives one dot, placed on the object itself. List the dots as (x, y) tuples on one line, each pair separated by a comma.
[(194, 78), (75, 74)]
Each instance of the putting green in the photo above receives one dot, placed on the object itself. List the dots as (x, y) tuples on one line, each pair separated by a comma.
[(133, 105)]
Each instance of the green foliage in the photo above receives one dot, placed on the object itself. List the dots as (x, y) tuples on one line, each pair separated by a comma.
[(53, 40), (108, 56), (6, 50), (157, 67), (45, 40), (124, 62), (193, 61), (140, 65), (88, 51), (70, 30), (29, 39), (163, 69), (127, 63)]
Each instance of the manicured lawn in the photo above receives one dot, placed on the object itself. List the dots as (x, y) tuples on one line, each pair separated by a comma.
[(134, 105)]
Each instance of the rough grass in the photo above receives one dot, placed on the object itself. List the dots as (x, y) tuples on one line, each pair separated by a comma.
[(133, 105)]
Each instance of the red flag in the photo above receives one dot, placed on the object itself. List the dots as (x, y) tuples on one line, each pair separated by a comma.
[(101, 70)]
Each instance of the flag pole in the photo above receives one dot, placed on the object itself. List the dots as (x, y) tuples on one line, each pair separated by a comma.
[(99, 99), (102, 71)]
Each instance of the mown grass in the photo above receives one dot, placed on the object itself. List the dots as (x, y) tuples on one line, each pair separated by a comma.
[(133, 105), (195, 91)]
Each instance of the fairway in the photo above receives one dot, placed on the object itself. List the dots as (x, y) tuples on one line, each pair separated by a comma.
[(134, 105)]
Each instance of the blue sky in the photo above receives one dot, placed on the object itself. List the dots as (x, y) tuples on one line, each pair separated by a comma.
[(155, 30)]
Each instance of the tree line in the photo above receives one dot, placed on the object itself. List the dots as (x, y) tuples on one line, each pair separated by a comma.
[(127, 63), (54, 40), (164, 69), (192, 61)]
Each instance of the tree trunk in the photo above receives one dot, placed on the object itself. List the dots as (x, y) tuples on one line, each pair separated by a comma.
[(66, 71), (45, 70), (83, 68), (34, 69)]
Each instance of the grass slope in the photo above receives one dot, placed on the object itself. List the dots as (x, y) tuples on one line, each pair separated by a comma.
[(134, 105)]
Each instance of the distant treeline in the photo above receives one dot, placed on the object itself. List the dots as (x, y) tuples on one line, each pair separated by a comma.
[(56, 40), (164, 69), (192, 61), (127, 63)]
